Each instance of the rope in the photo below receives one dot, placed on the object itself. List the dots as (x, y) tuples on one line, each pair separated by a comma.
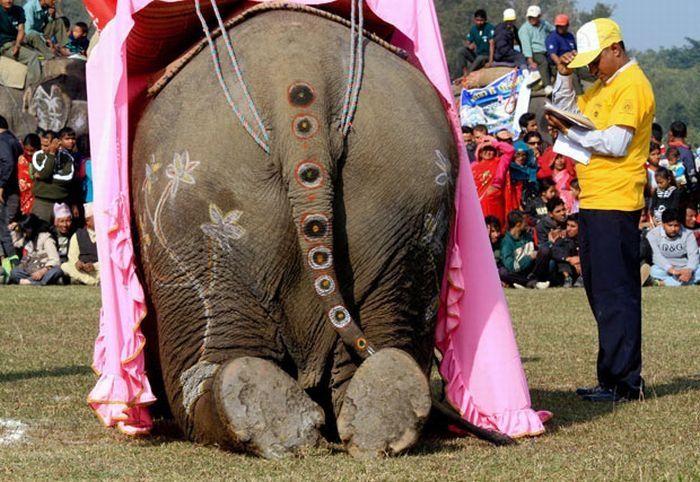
[(356, 67), (263, 141)]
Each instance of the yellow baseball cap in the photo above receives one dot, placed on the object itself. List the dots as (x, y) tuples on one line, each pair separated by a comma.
[(592, 38), (508, 15)]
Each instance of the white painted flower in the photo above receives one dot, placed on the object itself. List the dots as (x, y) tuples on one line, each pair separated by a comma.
[(443, 164), (180, 170), (223, 227)]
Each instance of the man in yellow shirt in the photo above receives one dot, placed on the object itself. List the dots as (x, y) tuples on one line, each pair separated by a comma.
[(621, 106)]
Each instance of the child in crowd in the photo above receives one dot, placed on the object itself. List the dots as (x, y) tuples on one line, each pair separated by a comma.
[(82, 265), (673, 156), (40, 264), (31, 144), (537, 208), (562, 180), (491, 176), (77, 41), (666, 196), (691, 221), (565, 252), (523, 173), (652, 165), (494, 227), (523, 265), (575, 193), (675, 252)]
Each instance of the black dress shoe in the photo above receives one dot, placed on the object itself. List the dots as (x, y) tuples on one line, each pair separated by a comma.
[(605, 395), (589, 391)]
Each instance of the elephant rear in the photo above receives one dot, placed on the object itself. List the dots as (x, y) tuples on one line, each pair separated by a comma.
[(270, 256)]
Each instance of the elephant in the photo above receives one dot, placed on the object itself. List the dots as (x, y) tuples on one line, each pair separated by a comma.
[(256, 262)]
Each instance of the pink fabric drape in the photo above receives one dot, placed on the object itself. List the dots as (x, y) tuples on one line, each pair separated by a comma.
[(485, 378)]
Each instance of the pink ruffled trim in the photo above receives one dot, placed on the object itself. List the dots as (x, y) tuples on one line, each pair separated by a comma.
[(122, 393), (520, 422)]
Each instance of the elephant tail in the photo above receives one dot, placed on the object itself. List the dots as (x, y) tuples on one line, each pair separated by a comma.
[(313, 146)]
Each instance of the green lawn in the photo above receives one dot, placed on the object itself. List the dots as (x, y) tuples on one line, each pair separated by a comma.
[(46, 337)]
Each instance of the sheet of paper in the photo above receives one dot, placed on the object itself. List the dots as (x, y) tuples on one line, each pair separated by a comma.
[(572, 149)]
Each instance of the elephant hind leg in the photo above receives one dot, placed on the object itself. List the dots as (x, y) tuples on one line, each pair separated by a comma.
[(385, 405), (264, 410)]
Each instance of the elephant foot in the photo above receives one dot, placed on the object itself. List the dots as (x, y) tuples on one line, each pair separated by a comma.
[(265, 410), (385, 406)]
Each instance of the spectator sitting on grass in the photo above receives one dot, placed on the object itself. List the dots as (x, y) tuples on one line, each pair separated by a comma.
[(675, 252), (40, 264), (82, 265), (62, 229), (523, 266), (565, 252), (666, 196), (553, 225)]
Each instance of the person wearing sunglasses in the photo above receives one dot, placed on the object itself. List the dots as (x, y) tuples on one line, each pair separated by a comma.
[(621, 106)]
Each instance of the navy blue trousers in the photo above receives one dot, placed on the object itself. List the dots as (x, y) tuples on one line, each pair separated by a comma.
[(610, 269)]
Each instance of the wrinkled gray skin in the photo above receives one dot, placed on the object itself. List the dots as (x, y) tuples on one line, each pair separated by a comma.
[(219, 222)]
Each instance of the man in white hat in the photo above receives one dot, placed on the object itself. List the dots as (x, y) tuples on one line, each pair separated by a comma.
[(621, 106), (533, 39), (82, 265)]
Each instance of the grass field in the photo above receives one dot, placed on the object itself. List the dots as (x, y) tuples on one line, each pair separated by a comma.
[(46, 337)]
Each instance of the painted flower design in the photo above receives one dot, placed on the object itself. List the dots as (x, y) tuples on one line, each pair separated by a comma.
[(180, 171), (444, 165), (223, 227)]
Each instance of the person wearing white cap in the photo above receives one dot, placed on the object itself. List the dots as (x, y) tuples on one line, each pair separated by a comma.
[(83, 266), (621, 106), (62, 229), (533, 39), (505, 38)]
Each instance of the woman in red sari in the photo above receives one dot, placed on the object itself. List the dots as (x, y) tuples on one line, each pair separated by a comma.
[(490, 173), (31, 144)]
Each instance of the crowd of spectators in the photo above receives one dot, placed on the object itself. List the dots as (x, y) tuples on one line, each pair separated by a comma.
[(33, 32), (529, 194), (529, 197), (535, 47), (46, 221)]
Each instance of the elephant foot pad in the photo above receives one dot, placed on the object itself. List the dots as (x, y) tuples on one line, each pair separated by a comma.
[(265, 410), (385, 405)]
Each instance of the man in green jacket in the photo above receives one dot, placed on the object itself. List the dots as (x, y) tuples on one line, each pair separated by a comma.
[(54, 173), (533, 39)]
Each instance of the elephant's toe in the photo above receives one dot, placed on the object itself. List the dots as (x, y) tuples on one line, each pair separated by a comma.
[(265, 410), (385, 405)]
